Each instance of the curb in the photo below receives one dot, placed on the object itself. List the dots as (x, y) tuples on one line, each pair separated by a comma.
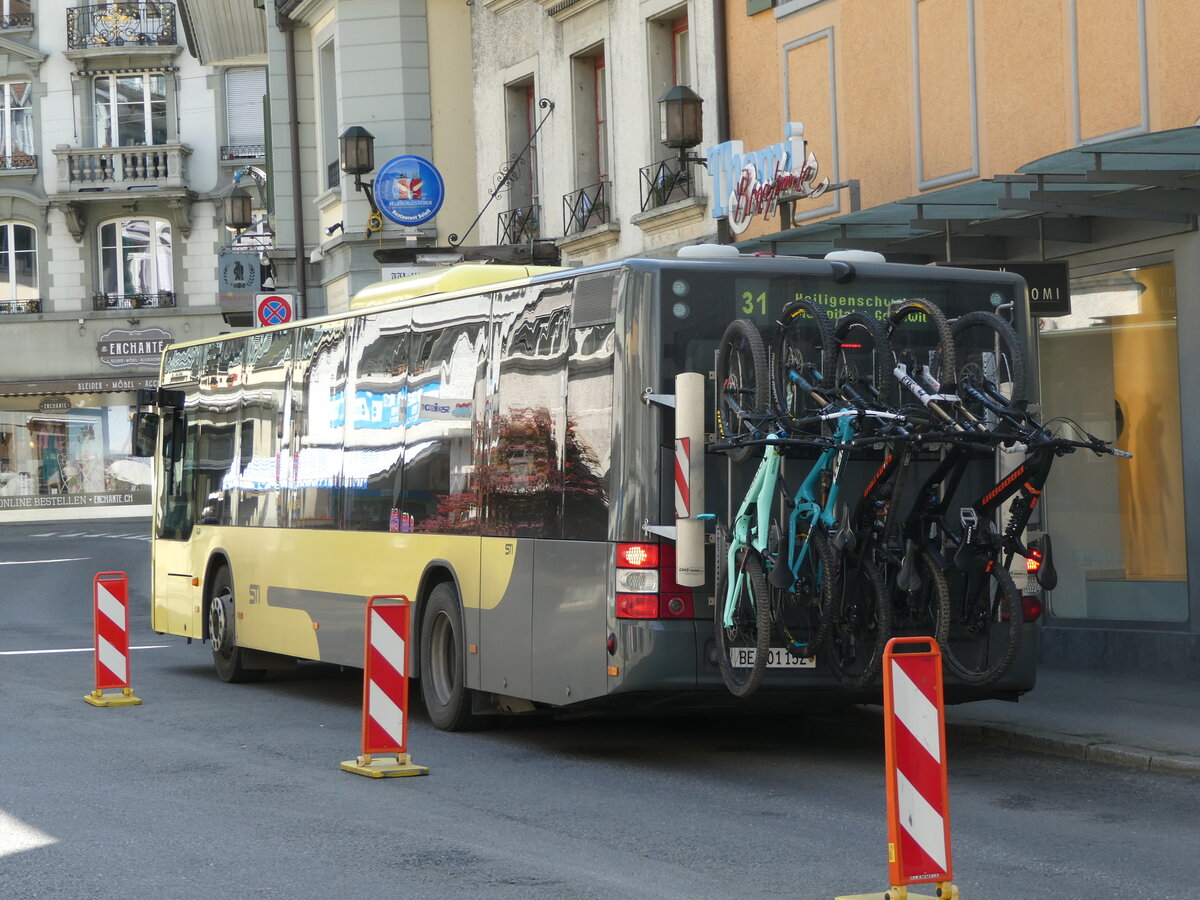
[(1075, 747)]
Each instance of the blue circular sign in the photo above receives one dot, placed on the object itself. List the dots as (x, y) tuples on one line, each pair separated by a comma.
[(409, 190)]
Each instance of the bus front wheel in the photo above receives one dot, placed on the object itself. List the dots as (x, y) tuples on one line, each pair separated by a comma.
[(443, 661), (222, 632)]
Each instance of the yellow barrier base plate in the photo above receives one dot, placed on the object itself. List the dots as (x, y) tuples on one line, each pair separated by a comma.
[(125, 698), (946, 891), (384, 766)]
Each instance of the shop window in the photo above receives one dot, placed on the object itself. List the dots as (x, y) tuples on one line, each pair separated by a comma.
[(16, 128), (18, 267), (130, 109), (1118, 525), (136, 266)]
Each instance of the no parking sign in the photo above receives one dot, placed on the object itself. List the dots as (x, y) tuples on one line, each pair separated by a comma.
[(273, 309)]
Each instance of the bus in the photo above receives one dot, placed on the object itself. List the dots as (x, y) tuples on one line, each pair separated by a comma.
[(497, 444)]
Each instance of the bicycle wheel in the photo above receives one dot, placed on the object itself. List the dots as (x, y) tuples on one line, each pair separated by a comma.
[(990, 358), (801, 615), (742, 385), (803, 344), (921, 339), (985, 623), (860, 625), (924, 610), (864, 356), (743, 646)]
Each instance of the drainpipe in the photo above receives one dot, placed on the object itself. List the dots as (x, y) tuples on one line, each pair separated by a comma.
[(720, 57), (288, 27)]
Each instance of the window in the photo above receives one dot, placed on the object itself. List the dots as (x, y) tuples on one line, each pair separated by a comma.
[(245, 133), (135, 259), (18, 265), (601, 121), (521, 107), (1118, 528), (131, 110), (681, 47), (328, 81), (16, 129)]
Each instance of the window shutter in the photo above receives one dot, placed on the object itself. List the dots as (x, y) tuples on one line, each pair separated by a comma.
[(244, 90), (757, 6)]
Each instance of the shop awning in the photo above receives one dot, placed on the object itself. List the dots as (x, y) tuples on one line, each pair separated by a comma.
[(1058, 203)]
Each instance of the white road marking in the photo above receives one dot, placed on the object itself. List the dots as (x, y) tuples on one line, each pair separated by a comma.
[(16, 836), (75, 650), (37, 562)]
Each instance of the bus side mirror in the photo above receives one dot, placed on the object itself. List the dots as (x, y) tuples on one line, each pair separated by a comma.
[(145, 433)]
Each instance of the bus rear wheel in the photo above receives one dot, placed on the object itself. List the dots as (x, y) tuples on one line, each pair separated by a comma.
[(222, 633), (443, 661)]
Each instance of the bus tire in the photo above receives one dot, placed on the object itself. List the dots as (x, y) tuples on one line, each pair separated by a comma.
[(222, 632), (443, 661)]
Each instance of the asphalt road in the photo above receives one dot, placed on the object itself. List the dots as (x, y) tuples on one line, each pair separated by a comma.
[(210, 790)]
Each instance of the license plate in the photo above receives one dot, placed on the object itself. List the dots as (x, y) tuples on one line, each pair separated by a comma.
[(778, 658)]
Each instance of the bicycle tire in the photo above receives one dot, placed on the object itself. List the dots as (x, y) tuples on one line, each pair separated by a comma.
[(742, 385), (926, 610), (914, 346), (860, 625), (984, 627), (803, 341), (989, 356), (863, 355), (751, 629), (801, 616)]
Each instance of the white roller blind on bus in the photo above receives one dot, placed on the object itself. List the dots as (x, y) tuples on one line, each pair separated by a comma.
[(244, 90)]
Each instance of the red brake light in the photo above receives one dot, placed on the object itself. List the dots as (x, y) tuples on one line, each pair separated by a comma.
[(637, 556), (1031, 608), (851, 346), (637, 606), (1034, 561)]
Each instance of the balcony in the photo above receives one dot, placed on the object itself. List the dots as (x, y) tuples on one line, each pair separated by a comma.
[(585, 209), (15, 19), (666, 182), (18, 161), (20, 306), (119, 25), (161, 167), (518, 225), (152, 300), (243, 151)]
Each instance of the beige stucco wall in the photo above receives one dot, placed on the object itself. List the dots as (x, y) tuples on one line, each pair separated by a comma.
[(925, 94)]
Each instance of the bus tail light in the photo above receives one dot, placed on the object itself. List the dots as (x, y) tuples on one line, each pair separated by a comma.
[(1031, 608), (646, 587), (637, 606)]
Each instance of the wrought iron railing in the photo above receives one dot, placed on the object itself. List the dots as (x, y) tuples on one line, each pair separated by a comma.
[(20, 306), (333, 175), (17, 20), (665, 182), (138, 300), (243, 151), (518, 225), (18, 161), (585, 208), (121, 24)]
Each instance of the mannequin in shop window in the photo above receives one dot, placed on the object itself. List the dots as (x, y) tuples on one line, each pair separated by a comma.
[(52, 474)]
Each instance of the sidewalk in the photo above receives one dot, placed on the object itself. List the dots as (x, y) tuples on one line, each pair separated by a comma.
[(1117, 718)]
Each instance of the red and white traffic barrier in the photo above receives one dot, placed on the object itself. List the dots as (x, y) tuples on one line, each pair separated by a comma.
[(917, 788), (110, 614), (385, 692)]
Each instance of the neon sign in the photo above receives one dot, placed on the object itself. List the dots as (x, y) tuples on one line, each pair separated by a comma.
[(750, 184)]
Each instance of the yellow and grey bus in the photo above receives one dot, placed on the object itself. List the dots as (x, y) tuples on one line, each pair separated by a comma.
[(491, 442)]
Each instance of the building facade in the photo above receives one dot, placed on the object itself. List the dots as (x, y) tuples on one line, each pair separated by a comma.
[(108, 237), (1055, 138), (568, 123)]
